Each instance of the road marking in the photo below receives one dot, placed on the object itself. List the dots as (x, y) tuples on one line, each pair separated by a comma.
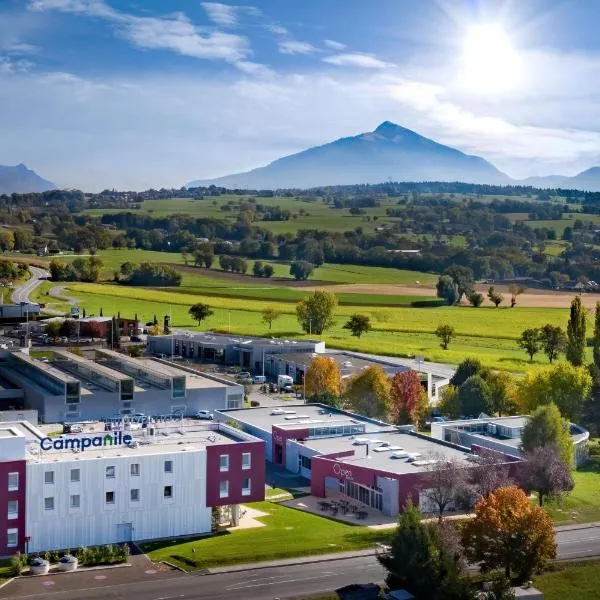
[(242, 585)]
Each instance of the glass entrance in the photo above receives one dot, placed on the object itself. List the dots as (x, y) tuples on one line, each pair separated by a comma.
[(370, 496)]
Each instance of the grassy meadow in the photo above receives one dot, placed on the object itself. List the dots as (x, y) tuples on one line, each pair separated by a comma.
[(486, 332)]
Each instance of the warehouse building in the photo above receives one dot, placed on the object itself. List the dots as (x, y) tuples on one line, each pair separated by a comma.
[(252, 354), (97, 488), (502, 434), (342, 454), (66, 387)]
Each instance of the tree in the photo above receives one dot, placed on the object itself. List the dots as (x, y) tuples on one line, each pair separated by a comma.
[(515, 290), (530, 341), (553, 341), (447, 290), (597, 336), (468, 367), (328, 399), (463, 279), (323, 376), (509, 533), (444, 481), (258, 269), (495, 298), (68, 328), (490, 473), (94, 330), (445, 332), (449, 403), (269, 315), (502, 393), (52, 329), (301, 270), (501, 589), (204, 255), (113, 334), (135, 351), (565, 385), (358, 324), (316, 313), (474, 396), (546, 427), (576, 340), (268, 270), (7, 240), (546, 472), (421, 562), (368, 393), (475, 299), (200, 311), (408, 400)]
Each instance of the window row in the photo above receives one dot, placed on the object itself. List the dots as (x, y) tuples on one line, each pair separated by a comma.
[(110, 473), (224, 462), (224, 488), (109, 497)]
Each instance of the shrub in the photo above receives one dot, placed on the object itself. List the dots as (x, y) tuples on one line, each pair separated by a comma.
[(254, 403)]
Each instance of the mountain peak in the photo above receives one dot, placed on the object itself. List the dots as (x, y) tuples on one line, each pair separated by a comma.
[(389, 129), (20, 179)]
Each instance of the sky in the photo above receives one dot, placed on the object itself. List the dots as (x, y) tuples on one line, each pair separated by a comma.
[(122, 94)]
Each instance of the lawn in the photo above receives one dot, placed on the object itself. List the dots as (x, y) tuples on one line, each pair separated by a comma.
[(488, 333), (582, 505), (571, 580), (287, 533)]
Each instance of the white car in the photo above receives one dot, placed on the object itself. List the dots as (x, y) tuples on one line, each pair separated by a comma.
[(278, 411), (204, 414)]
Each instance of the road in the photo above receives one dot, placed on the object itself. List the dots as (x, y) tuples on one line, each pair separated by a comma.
[(21, 294), (275, 581)]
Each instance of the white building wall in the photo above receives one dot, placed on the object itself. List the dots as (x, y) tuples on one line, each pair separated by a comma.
[(96, 522)]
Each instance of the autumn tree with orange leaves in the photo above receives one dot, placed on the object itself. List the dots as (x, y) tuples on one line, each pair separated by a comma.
[(323, 377), (509, 533), (408, 399)]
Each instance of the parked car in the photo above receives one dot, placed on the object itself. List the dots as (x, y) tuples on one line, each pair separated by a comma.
[(72, 428), (259, 379), (204, 414), (244, 376)]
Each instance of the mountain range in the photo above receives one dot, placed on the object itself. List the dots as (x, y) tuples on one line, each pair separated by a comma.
[(22, 180), (389, 153)]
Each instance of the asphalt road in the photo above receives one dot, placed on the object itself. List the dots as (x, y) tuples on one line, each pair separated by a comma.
[(21, 294), (279, 581)]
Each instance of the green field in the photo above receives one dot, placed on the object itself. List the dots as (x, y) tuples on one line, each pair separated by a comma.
[(571, 580), (488, 333), (287, 533)]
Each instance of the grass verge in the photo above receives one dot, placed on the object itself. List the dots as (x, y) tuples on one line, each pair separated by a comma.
[(571, 580), (287, 533)]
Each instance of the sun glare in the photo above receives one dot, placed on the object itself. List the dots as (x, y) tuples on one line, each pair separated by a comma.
[(490, 63)]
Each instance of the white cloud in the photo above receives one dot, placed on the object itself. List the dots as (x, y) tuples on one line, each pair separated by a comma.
[(363, 61), (221, 14), (276, 29), (20, 49), (176, 33), (255, 69), (334, 45), (10, 66), (295, 47)]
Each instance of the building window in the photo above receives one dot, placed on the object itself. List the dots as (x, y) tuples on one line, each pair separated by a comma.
[(168, 466), (110, 472), (49, 477), (13, 482), (134, 495), (246, 489), (75, 475), (168, 491), (135, 470), (110, 497), (246, 460), (224, 489), (224, 462), (49, 503), (12, 538), (75, 501), (13, 509), (305, 462)]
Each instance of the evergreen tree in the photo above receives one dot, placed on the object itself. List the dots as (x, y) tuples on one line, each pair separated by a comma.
[(575, 351), (597, 336)]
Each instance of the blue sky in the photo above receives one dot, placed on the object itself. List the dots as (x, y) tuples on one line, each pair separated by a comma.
[(113, 93)]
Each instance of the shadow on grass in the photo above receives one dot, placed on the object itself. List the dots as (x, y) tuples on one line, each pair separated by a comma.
[(162, 544)]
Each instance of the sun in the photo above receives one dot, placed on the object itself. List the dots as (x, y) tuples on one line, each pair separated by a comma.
[(490, 63)]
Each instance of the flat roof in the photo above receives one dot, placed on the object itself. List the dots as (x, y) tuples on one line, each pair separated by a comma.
[(347, 363), (262, 417), (216, 338), (168, 439), (43, 367), (111, 374), (193, 380), (383, 459)]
